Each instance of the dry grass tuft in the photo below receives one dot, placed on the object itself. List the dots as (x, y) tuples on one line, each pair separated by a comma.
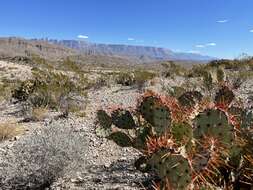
[(39, 113), (9, 130)]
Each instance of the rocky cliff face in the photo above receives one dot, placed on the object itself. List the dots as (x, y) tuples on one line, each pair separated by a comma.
[(21, 47), (143, 53)]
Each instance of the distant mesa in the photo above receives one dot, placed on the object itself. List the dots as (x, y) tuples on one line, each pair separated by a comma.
[(57, 49)]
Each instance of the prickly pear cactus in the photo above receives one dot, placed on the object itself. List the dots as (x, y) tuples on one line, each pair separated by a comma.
[(213, 123), (173, 169), (142, 133), (156, 114), (182, 132), (123, 119), (105, 123), (121, 139), (190, 99), (224, 96)]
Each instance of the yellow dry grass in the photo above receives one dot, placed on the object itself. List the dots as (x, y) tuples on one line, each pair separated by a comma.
[(10, 129)]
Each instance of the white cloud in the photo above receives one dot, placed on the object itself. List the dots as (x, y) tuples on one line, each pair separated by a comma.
[(82, 37), (211, 44), (200, 46), (222, 21), (130, 39), (251, 31)]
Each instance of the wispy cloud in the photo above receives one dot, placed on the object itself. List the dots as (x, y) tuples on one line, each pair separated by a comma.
[(211, 44), (251, 31), (82, 37), (205, 45), (130, 39), (200, 46), (222, 21)]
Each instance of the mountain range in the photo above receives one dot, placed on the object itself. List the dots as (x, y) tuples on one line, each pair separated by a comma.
[(143, 53), (91, 52)]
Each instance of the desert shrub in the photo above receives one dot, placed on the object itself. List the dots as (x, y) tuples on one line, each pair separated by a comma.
[(137, 77), (196, 71), (39, 113), (69, 65), (125, 79), (38, 160), (99, 82), (37, 61), (50, 89), (172, 69), (9, 130), (142, 76)]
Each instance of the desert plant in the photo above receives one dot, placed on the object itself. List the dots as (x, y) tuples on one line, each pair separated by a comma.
[(50, 89), (39, 159), (188, 143), (9, 129), (208, 81)]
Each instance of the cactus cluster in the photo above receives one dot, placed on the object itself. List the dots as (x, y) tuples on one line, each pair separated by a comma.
[(206, 147)]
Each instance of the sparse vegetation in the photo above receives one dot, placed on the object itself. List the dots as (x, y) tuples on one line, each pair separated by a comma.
[(9, 129)]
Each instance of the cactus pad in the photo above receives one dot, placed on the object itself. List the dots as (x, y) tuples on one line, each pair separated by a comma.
[(182, 132), (224, 96), (121, 139), (104, 119), (172, 167), (190, 99), (123, 119), (141, 137), (213, 123), (105, 123), (156, 114)]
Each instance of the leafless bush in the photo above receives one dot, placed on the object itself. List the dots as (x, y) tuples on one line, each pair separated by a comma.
[(38, 160)]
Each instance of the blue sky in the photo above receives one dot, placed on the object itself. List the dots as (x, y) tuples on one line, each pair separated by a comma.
[(221, 28)]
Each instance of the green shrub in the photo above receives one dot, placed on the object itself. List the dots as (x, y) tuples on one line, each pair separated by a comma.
[(50, 89)]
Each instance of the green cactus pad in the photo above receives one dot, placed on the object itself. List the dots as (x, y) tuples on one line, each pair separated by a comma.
[(140, 140), (190, 99), (173, 167), (121, 139), (235, 155), (213, 123), (104, 119), (182, 132), (123, 119), (157, 115), (105, 124), (224, 95)]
